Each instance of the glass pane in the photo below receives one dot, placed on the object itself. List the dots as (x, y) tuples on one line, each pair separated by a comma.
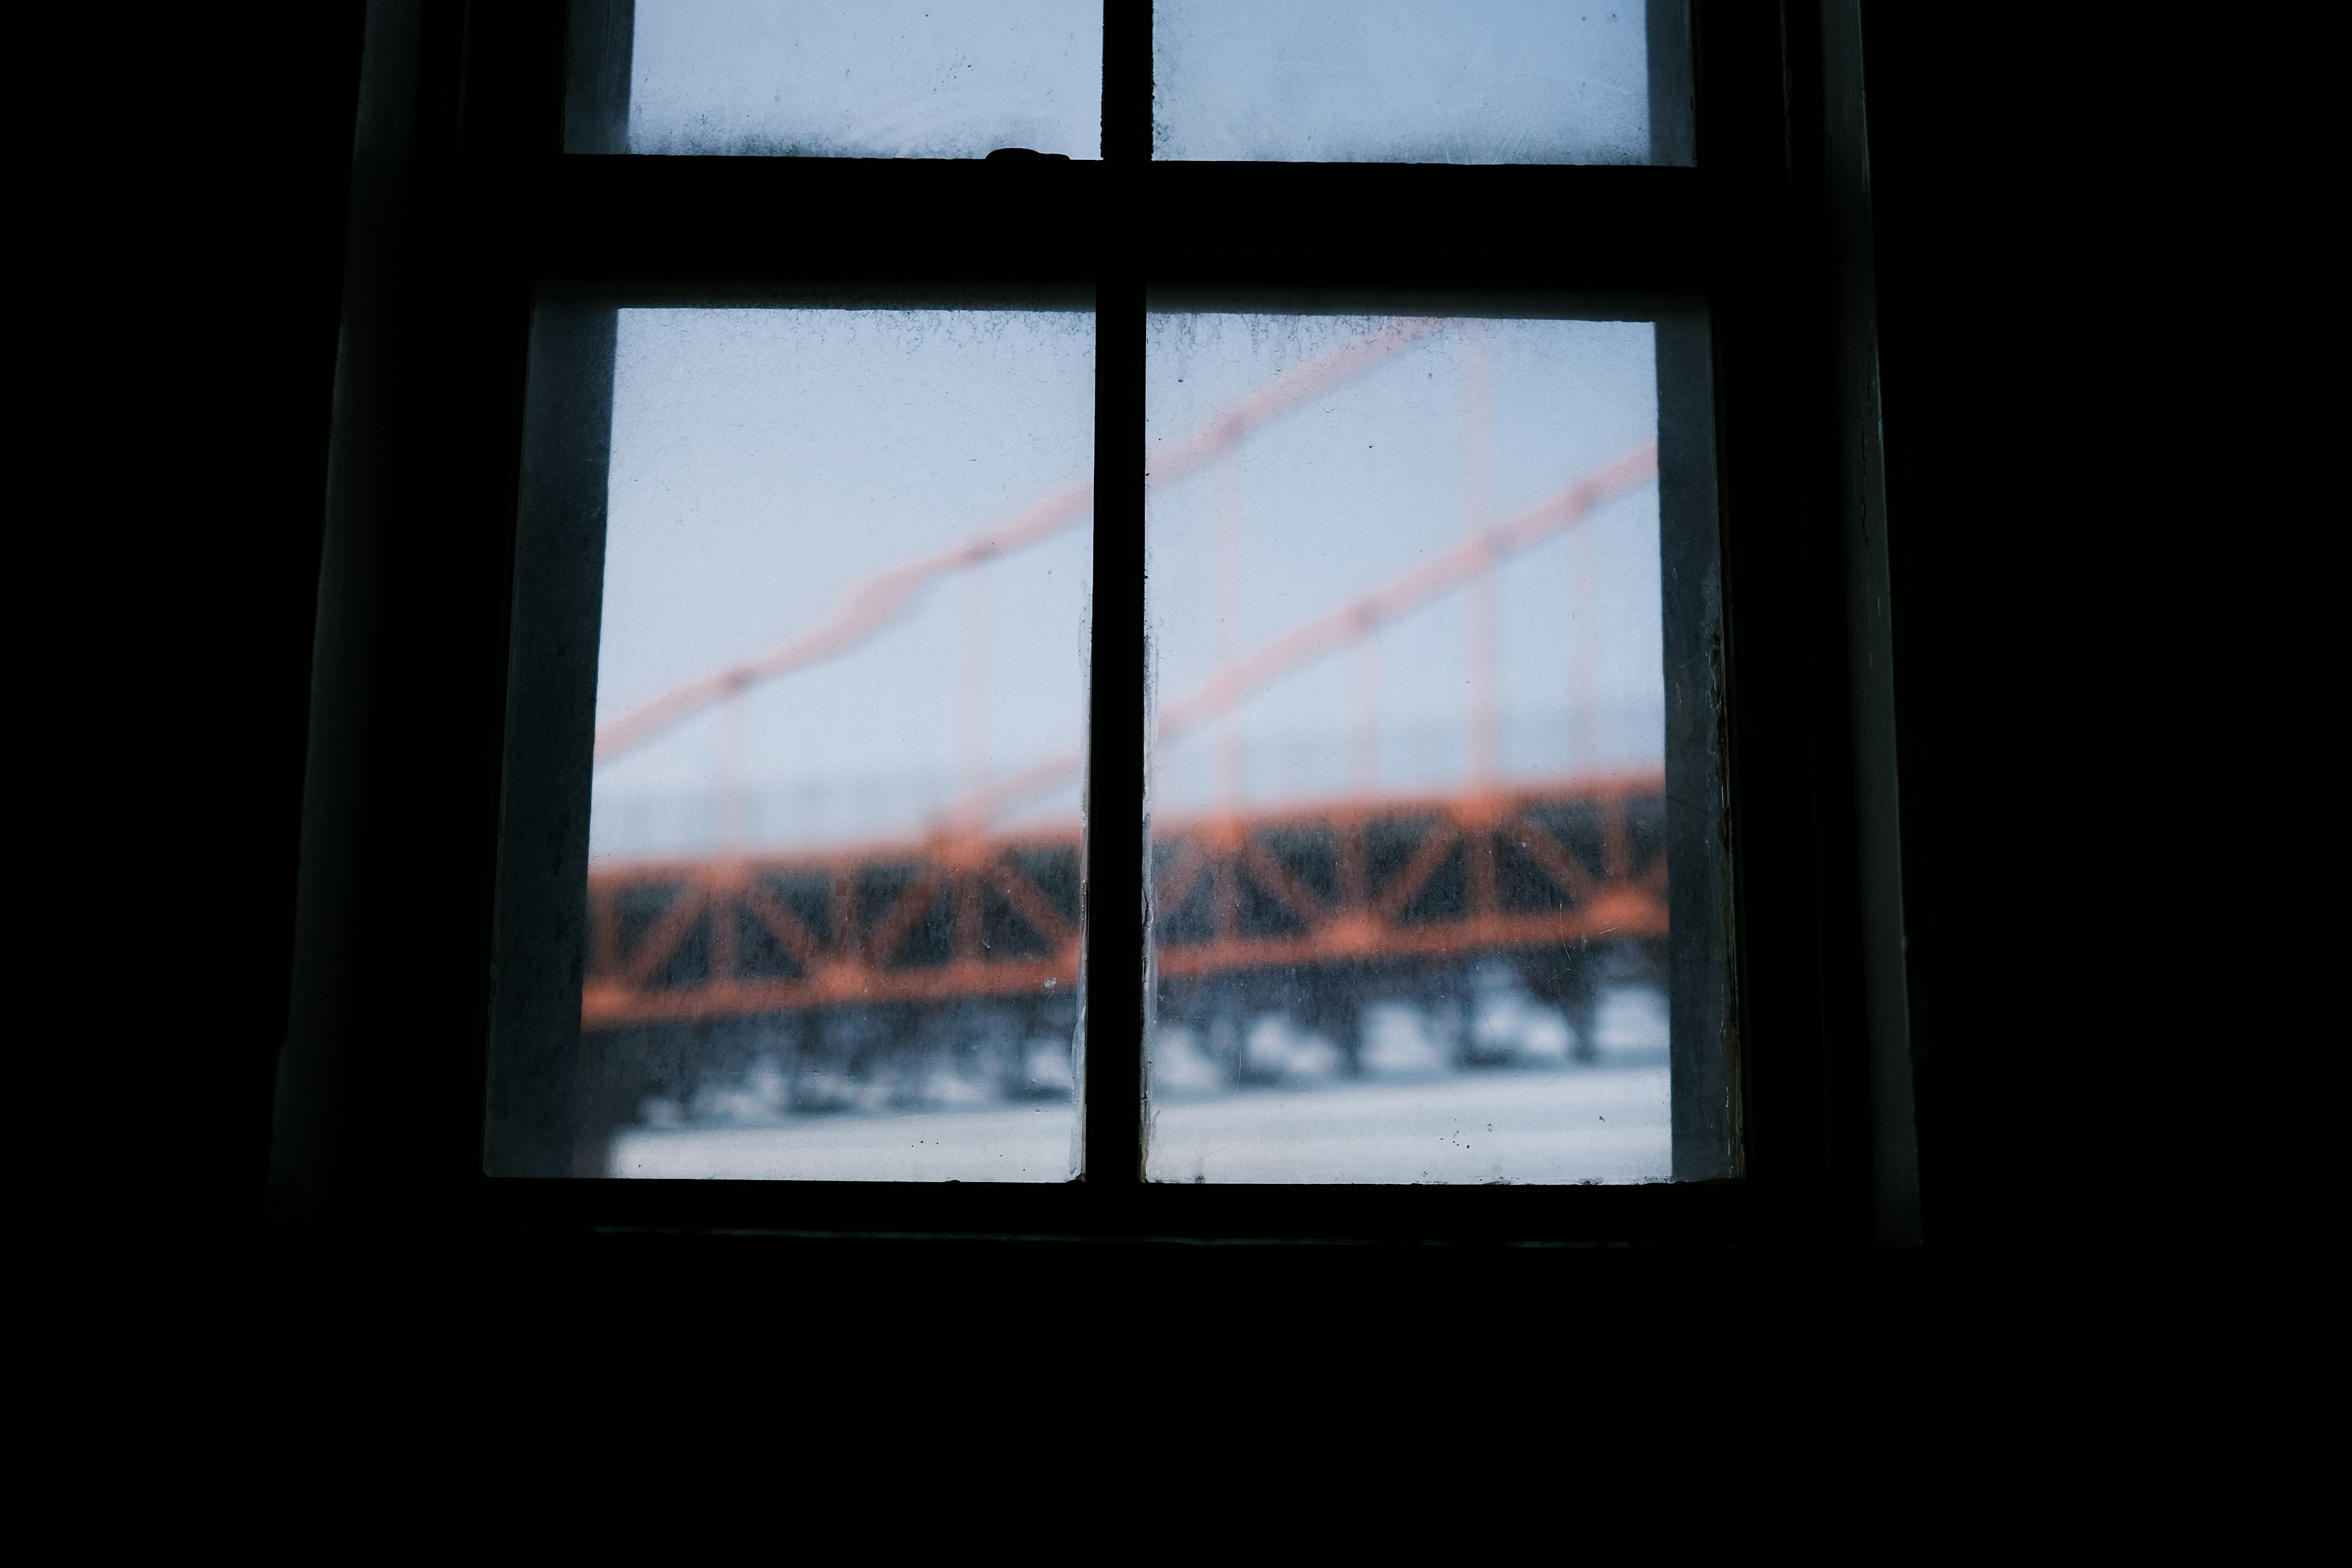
[(845, 573), (842, 78), (1420, 81), (1409, 813)]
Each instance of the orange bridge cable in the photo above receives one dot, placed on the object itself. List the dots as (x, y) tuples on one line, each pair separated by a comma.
[(883, 598), (1310, 641), (1431, 580), (1177, 458), (865, 610)]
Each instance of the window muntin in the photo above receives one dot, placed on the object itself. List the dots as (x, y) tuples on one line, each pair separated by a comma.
[(1377, 81)]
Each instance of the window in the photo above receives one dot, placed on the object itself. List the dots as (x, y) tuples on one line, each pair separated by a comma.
[(1380, 803)]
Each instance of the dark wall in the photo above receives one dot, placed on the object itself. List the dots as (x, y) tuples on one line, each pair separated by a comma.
[(2034, 517), (244, 152)]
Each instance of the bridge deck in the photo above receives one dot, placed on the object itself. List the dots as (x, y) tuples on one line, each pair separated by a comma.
[(968, 916)]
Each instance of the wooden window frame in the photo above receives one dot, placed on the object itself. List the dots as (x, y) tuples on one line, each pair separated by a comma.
[(466, 212)]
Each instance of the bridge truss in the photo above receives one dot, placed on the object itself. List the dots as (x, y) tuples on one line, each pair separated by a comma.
[(997, 917)]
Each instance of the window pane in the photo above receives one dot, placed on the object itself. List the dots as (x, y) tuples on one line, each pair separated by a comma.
[(843, 78), (845, 579), (1409, 816), (1420, 81)]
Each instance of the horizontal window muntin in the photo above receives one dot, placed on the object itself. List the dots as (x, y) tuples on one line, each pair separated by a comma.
[(1545, 228)]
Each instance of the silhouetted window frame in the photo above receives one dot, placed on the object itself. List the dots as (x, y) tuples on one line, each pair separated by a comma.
[(480, 217)]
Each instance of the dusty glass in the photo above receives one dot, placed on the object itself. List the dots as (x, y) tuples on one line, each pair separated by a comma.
[(1420, 81), (1408, 800), (848, 78), (846, 569)]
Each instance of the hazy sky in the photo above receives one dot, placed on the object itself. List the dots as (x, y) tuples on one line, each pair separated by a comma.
[(1365, 482), (766, 461), (1431, 81), (763, 462), (872, 79), (1449, 81)]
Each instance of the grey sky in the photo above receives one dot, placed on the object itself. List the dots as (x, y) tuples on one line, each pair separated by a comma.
[(763, 462), (1433, 81), (1460, 81), (872, 78), (766, 461), (1365, 482)]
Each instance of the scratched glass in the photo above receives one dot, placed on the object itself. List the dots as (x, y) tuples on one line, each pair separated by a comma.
[(832, 882), (840, 79), (1418, 81), (1408, 774)]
